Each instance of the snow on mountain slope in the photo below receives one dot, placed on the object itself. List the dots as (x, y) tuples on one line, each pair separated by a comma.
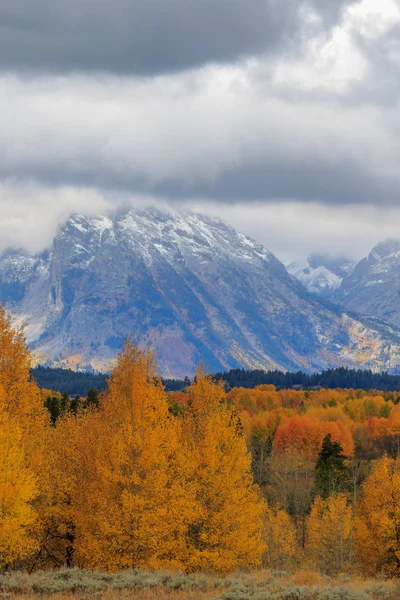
[(318, 281), (193, 288), (321, 273), (17, 271), (374, 286)]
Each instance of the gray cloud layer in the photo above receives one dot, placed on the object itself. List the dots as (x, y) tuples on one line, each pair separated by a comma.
[(213, 135), (217, 102), (140, 36)]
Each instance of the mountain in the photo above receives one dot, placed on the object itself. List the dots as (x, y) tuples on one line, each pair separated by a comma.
[(17, 271), (189, 285), (321, 273), (374, 286)]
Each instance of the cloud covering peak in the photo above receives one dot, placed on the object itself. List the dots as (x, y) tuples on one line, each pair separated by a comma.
[(221, 102)]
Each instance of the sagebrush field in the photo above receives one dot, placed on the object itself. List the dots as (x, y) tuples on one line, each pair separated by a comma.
[(142, 585)]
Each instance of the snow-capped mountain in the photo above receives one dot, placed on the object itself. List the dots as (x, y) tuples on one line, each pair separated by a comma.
[(374, 286), (189, 285), (318, 281), (321, 273), (17, 270)]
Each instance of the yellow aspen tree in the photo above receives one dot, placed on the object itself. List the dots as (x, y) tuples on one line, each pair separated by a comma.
[(17, 492), (292, 477), (228, 531), (377, 524), (20, 395), (57, 504), (329, 533), (280, 533), (133, 503), (23, 421)]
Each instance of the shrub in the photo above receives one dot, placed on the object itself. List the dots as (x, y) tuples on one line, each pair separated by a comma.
[(239, 591), (343, 594), (295, 592), (15, 582), (379, 590)]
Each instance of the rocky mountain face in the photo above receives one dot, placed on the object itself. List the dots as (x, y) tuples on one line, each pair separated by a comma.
[(321, 273), (374, 286), (189, 285)]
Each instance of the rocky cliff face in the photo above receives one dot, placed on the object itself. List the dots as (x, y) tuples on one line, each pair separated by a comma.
[(374, 286), (189, 285)]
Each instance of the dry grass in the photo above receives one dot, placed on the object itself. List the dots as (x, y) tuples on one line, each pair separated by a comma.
[(158, 594), (78, 584)]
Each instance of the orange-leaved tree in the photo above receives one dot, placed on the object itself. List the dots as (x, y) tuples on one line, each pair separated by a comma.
[(20, 395), (227, 532), (59, 485), (23, 421), (305, 435), (377, 525), (18, 490), (133, 505)]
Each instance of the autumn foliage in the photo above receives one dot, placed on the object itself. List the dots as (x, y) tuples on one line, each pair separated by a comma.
[(377, 524), (227, 529), (329, 533), (306, 434), (22, 423), (126, 484), (200, 480), (142, 515)]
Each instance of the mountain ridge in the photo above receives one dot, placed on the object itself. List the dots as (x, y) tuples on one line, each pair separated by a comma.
[(374, 286), (190, 286)]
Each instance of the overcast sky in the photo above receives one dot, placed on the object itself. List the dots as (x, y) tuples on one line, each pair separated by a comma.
[(280, 116)]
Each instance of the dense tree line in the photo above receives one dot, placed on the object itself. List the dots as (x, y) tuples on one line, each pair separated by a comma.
[(79, 383), (67, 381), (340, 377)]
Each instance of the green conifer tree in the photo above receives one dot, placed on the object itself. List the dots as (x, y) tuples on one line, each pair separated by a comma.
[(330, 469)]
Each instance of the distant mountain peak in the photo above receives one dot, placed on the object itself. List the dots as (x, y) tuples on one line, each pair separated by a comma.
[(341, 266), (322, 273), (373, 289), (385, 249), (189, 285)]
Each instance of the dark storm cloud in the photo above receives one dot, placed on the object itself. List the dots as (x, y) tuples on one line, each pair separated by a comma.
[(146, 36), (308, 181), (136, 36), (315, 180)]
